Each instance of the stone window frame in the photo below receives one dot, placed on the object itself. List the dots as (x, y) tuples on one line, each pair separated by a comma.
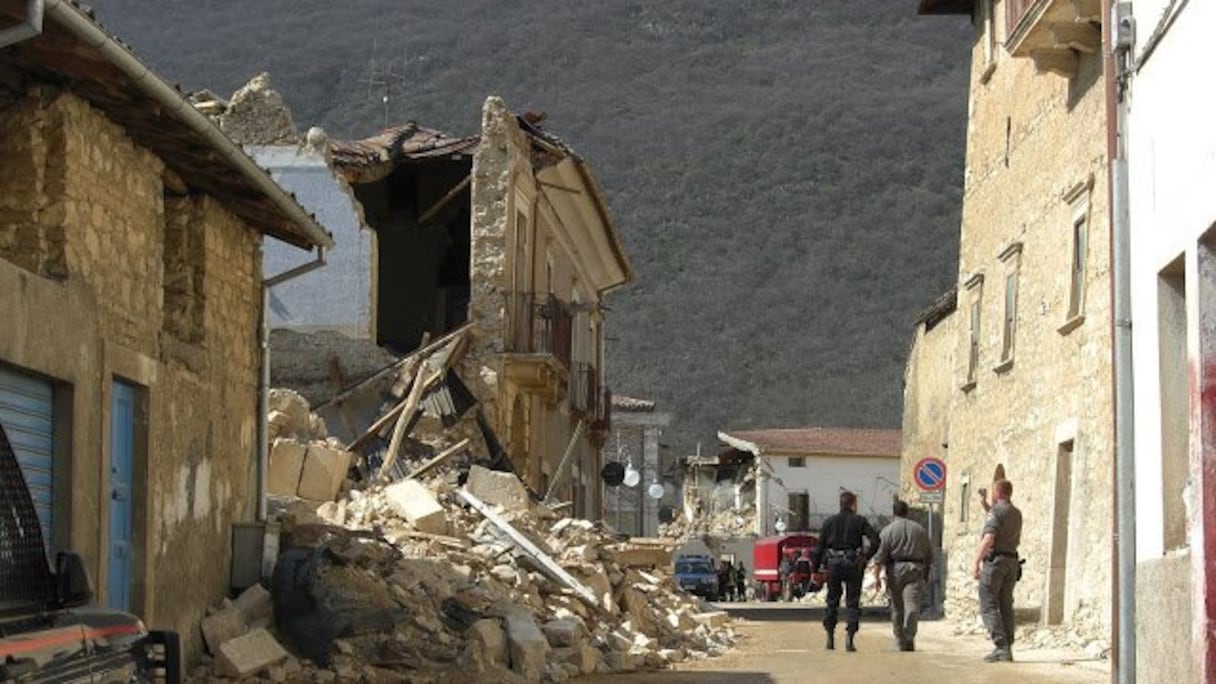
[(1078, 199), (974, 289), (964, 502), (1011, 257)]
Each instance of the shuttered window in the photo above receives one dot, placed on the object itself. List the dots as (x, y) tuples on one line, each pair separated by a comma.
[(27, 414)]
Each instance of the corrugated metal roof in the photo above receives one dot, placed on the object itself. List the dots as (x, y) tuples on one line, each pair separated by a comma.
[(817, 441)]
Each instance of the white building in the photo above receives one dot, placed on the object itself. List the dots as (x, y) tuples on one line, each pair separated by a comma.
[(1171, 153), (800, 473)]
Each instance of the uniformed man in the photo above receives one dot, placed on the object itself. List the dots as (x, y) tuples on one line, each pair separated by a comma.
[(842, 550), (905, 552), (997, 568)]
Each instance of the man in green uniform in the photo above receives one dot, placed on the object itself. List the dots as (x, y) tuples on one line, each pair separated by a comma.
[(997, 568), (906, 553)]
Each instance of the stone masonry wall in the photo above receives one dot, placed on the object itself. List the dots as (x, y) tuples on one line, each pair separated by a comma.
[(87, 273), (1033, 136)]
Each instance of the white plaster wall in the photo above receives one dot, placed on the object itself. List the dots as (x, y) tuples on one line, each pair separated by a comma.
[(1172, 174), (873, 480), (338, 296)]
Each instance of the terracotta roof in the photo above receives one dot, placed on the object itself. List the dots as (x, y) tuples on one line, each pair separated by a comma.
[(937, 312), (407, 141), (76, 53), (817, 441)]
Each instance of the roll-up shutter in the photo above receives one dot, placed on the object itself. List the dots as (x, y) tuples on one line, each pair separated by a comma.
[(27, 414)]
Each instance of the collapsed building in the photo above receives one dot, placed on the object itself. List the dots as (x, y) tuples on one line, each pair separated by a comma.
[(506, 233)]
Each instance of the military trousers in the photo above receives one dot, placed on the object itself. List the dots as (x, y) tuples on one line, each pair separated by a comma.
[(906, 583), (844, 577), (997, 578)]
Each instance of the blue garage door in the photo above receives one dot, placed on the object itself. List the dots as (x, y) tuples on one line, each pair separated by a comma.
[(27, 414)]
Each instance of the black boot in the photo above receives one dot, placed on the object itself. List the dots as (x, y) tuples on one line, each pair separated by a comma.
[(848, 642), (831, 643)]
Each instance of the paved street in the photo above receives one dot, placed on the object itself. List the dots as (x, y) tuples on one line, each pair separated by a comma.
[(784, 645)]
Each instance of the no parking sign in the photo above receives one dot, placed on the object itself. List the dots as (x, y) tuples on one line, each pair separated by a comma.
[(929, 474)]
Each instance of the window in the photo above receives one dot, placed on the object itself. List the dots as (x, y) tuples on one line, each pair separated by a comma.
[(798, 462), (1078, 202), (800, 512), (975, 287), (964, 501), (1011, 256), (1175, 398)]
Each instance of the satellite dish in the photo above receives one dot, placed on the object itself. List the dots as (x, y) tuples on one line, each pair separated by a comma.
[(632, 476), (780, 526), (655, 491), (613, 473)]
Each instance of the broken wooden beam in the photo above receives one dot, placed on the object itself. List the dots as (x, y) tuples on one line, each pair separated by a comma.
[(444, 201), (543, 560), (443, 456), (408, 410)]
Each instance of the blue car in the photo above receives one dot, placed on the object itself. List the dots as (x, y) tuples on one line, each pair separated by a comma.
[(696, 575)]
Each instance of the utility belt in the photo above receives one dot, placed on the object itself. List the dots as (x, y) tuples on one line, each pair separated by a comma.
[(843, 556), (993, 555), (920, 561)]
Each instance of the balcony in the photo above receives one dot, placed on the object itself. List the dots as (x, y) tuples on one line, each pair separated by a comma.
[(538, 343), (1054, 33)]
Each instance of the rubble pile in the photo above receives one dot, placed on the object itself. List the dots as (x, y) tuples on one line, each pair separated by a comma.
[(728, 523), (304, 460), (426, 566)]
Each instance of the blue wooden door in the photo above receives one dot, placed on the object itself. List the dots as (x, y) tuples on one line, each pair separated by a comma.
[(122, 467), (27, 414)]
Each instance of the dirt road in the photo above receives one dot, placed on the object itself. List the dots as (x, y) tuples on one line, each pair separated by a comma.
[(787, 648)]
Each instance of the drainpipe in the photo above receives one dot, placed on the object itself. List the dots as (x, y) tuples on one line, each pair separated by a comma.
[(1120, 38), (263, 441), (32, 26)]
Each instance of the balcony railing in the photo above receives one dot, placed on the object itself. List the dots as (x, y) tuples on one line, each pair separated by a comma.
[(1015, 12), (539, 324)]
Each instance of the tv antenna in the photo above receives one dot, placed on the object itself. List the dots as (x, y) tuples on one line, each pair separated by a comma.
[(386, 80)]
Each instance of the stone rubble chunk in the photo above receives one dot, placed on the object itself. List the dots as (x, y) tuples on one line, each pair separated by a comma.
[(489, 641), (411, 500), (526, 643), (255, 605), (497, 488), (221, 626), (249, 654), (286, 466), (564, 632), (323, 473)]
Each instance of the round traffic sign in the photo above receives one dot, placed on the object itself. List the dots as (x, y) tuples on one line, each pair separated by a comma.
[(930, 474)]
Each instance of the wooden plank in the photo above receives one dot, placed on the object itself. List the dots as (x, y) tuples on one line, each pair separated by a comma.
[(565, 462), (543, 560), (444, 201), (411, 365), (407, 417), (424, 350), (443, 456)]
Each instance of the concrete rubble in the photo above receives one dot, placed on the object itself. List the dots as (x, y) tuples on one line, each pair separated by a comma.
[(459, 571)]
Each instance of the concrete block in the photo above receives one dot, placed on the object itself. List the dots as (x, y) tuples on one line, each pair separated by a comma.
[(286, 465), (222, 626), (255, 604), (247, 655), (414, 502), (497, 488), (324, 470), (490, 641), (527, 645)]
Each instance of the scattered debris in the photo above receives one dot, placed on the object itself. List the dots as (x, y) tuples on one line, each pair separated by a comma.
[(433, 566)]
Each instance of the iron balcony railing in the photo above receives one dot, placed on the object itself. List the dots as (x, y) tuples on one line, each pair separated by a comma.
[(587, 396), (539, 324)]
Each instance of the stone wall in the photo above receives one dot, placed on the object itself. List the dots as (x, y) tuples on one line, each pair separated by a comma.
[(928, 389), (1032, 138), (113, 275)]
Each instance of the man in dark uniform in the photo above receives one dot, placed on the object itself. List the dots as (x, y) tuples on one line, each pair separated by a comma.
[(997, 568), (842, 552), (906, 553)]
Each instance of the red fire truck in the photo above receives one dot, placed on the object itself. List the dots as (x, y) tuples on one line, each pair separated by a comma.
[(766, 565)]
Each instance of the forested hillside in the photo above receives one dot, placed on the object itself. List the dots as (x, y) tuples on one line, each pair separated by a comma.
[(786, 173)]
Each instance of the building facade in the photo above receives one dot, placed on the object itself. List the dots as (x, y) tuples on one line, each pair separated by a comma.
[(799, 474), (634, 441), (1030, 385), (1171, 156), (130, 267)]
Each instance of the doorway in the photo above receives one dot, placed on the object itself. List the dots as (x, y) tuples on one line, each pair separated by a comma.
[(120, 563), (1057, 575)]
